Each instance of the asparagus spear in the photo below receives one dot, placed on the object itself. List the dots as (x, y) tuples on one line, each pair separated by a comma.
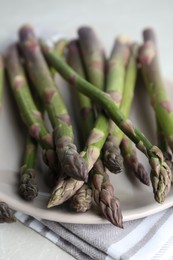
[(93, 56), (163, 145), (64, 190), (85, 105), (6, 214), (114, 86), (81, 201), (102, 189), (27, 108), (160, 172), (28, 188), (130, 157), (94, 63), (128, 152), (156, 90), (149, 35), (72, 164), (1, 79), (104, 195)]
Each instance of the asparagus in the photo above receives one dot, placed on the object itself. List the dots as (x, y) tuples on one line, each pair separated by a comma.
[(128, 152), (30, 115), (130, 157), (149, 35), (1, 79), (104, 195), (100, 180), (93, 56), (81, 201), (28, 188), (6, 214), (114, 86), (71, 163), (163, 145), (156, 90), (160, 172), (85, 105), (94, 63)]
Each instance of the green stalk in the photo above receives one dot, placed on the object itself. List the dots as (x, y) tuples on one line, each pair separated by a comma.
[(156, 89), (128, 152), (28, 188), (94, 64), (93, 56), (1, 79), (30, 115), (160, 173), (71, 162), (95, 141), (81, 201), (129, 86), (163, 145), (6, 214), (114, 87), (149, 35), (85, 105)]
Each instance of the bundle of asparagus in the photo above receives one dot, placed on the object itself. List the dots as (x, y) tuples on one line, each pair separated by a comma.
[(160, 172), (105, 92)]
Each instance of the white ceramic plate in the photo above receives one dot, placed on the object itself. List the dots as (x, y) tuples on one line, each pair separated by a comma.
[(136, 199)]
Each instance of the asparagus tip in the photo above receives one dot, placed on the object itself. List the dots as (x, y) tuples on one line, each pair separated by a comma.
[(142, 175), (112, 211), (161, 180), (113, 160), (50, 204), (6, 214), (28, 189), (64, 190), (81, 201), (26, 32)]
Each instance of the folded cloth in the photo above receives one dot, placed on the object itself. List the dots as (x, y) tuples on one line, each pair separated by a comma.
[(147, 238)]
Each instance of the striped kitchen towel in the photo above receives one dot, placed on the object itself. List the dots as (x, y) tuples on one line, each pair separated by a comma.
[(147, 238)]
